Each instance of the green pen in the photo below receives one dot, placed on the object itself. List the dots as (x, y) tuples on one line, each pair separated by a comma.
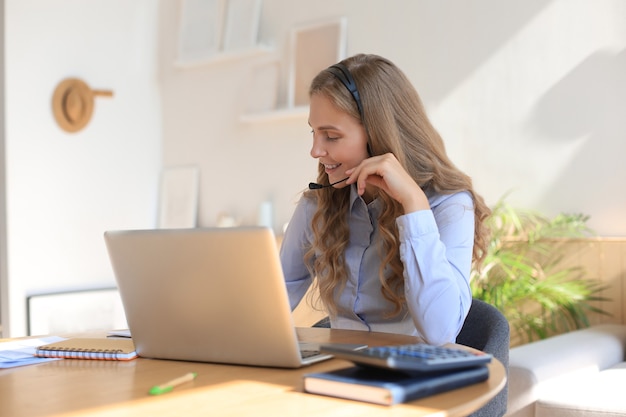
[(168, 386)]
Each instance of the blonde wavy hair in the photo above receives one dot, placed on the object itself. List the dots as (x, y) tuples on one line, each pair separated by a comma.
[(396, 122)]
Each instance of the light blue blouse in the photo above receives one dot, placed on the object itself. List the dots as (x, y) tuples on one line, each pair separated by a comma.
[(435, 248)]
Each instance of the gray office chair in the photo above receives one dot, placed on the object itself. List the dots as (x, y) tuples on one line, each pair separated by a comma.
[(485, 329)]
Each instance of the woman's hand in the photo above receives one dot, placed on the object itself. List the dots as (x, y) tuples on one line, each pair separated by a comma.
[(386, 173)]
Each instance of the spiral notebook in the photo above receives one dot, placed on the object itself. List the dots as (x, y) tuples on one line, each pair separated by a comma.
[(89, 348)]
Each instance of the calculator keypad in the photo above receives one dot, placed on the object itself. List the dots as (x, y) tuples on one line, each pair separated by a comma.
[(416, 357)]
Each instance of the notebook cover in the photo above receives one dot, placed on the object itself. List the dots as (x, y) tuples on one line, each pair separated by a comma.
[(89, 348), (383, 386)]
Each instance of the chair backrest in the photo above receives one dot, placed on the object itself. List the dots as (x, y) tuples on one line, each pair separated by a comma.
[(487, 329)]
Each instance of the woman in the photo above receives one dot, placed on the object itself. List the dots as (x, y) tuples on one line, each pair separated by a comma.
[(393, 227)]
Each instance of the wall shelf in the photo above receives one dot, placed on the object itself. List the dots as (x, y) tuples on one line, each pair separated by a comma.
[(224, 57), (276, 115)]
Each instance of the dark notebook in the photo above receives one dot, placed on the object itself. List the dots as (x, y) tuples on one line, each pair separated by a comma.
[(383, 386)]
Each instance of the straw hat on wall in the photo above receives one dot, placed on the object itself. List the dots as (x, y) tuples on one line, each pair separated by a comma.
[(73, 104)]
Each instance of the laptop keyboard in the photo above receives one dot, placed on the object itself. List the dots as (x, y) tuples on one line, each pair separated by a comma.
[(308, 353)]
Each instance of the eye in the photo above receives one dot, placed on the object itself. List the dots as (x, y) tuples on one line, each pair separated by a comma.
[(327, 136)]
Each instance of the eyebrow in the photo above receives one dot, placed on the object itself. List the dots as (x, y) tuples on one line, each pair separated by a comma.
[(328, 127)]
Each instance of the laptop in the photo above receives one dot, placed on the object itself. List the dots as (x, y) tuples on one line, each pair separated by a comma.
[(207, 295)]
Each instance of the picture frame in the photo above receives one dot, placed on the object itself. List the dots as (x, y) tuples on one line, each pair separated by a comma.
[(262, 92), (241, 29), (178, 200), (314, 47), (200, 29)]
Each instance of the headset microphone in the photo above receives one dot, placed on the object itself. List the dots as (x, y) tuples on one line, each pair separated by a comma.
[(316, 186)]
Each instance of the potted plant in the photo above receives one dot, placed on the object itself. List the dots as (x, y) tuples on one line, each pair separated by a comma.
[(524, 274)]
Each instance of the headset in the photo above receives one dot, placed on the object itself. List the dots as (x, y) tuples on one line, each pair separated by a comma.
[(343, 74)]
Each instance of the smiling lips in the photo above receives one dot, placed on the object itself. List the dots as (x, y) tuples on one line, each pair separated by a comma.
[(330, 167)]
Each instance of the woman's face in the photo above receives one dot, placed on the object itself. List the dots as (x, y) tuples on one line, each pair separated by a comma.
[(339, 140)]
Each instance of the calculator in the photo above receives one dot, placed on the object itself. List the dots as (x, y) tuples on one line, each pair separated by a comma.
[(418, 357)]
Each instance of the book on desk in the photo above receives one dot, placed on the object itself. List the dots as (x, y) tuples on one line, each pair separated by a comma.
[(387, 387), (111, 349)]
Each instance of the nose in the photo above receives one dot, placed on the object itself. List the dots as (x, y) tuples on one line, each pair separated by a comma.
[(317, 150)]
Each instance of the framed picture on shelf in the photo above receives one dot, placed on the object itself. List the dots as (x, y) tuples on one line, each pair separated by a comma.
[(242, 24), (200, 30), (178, 204), (262, 93), (313, 48)]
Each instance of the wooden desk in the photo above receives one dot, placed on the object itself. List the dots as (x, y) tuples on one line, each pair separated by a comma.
[(73, 387)]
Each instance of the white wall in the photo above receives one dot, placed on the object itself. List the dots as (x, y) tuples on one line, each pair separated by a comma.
[(529, 97), (64, 190)]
